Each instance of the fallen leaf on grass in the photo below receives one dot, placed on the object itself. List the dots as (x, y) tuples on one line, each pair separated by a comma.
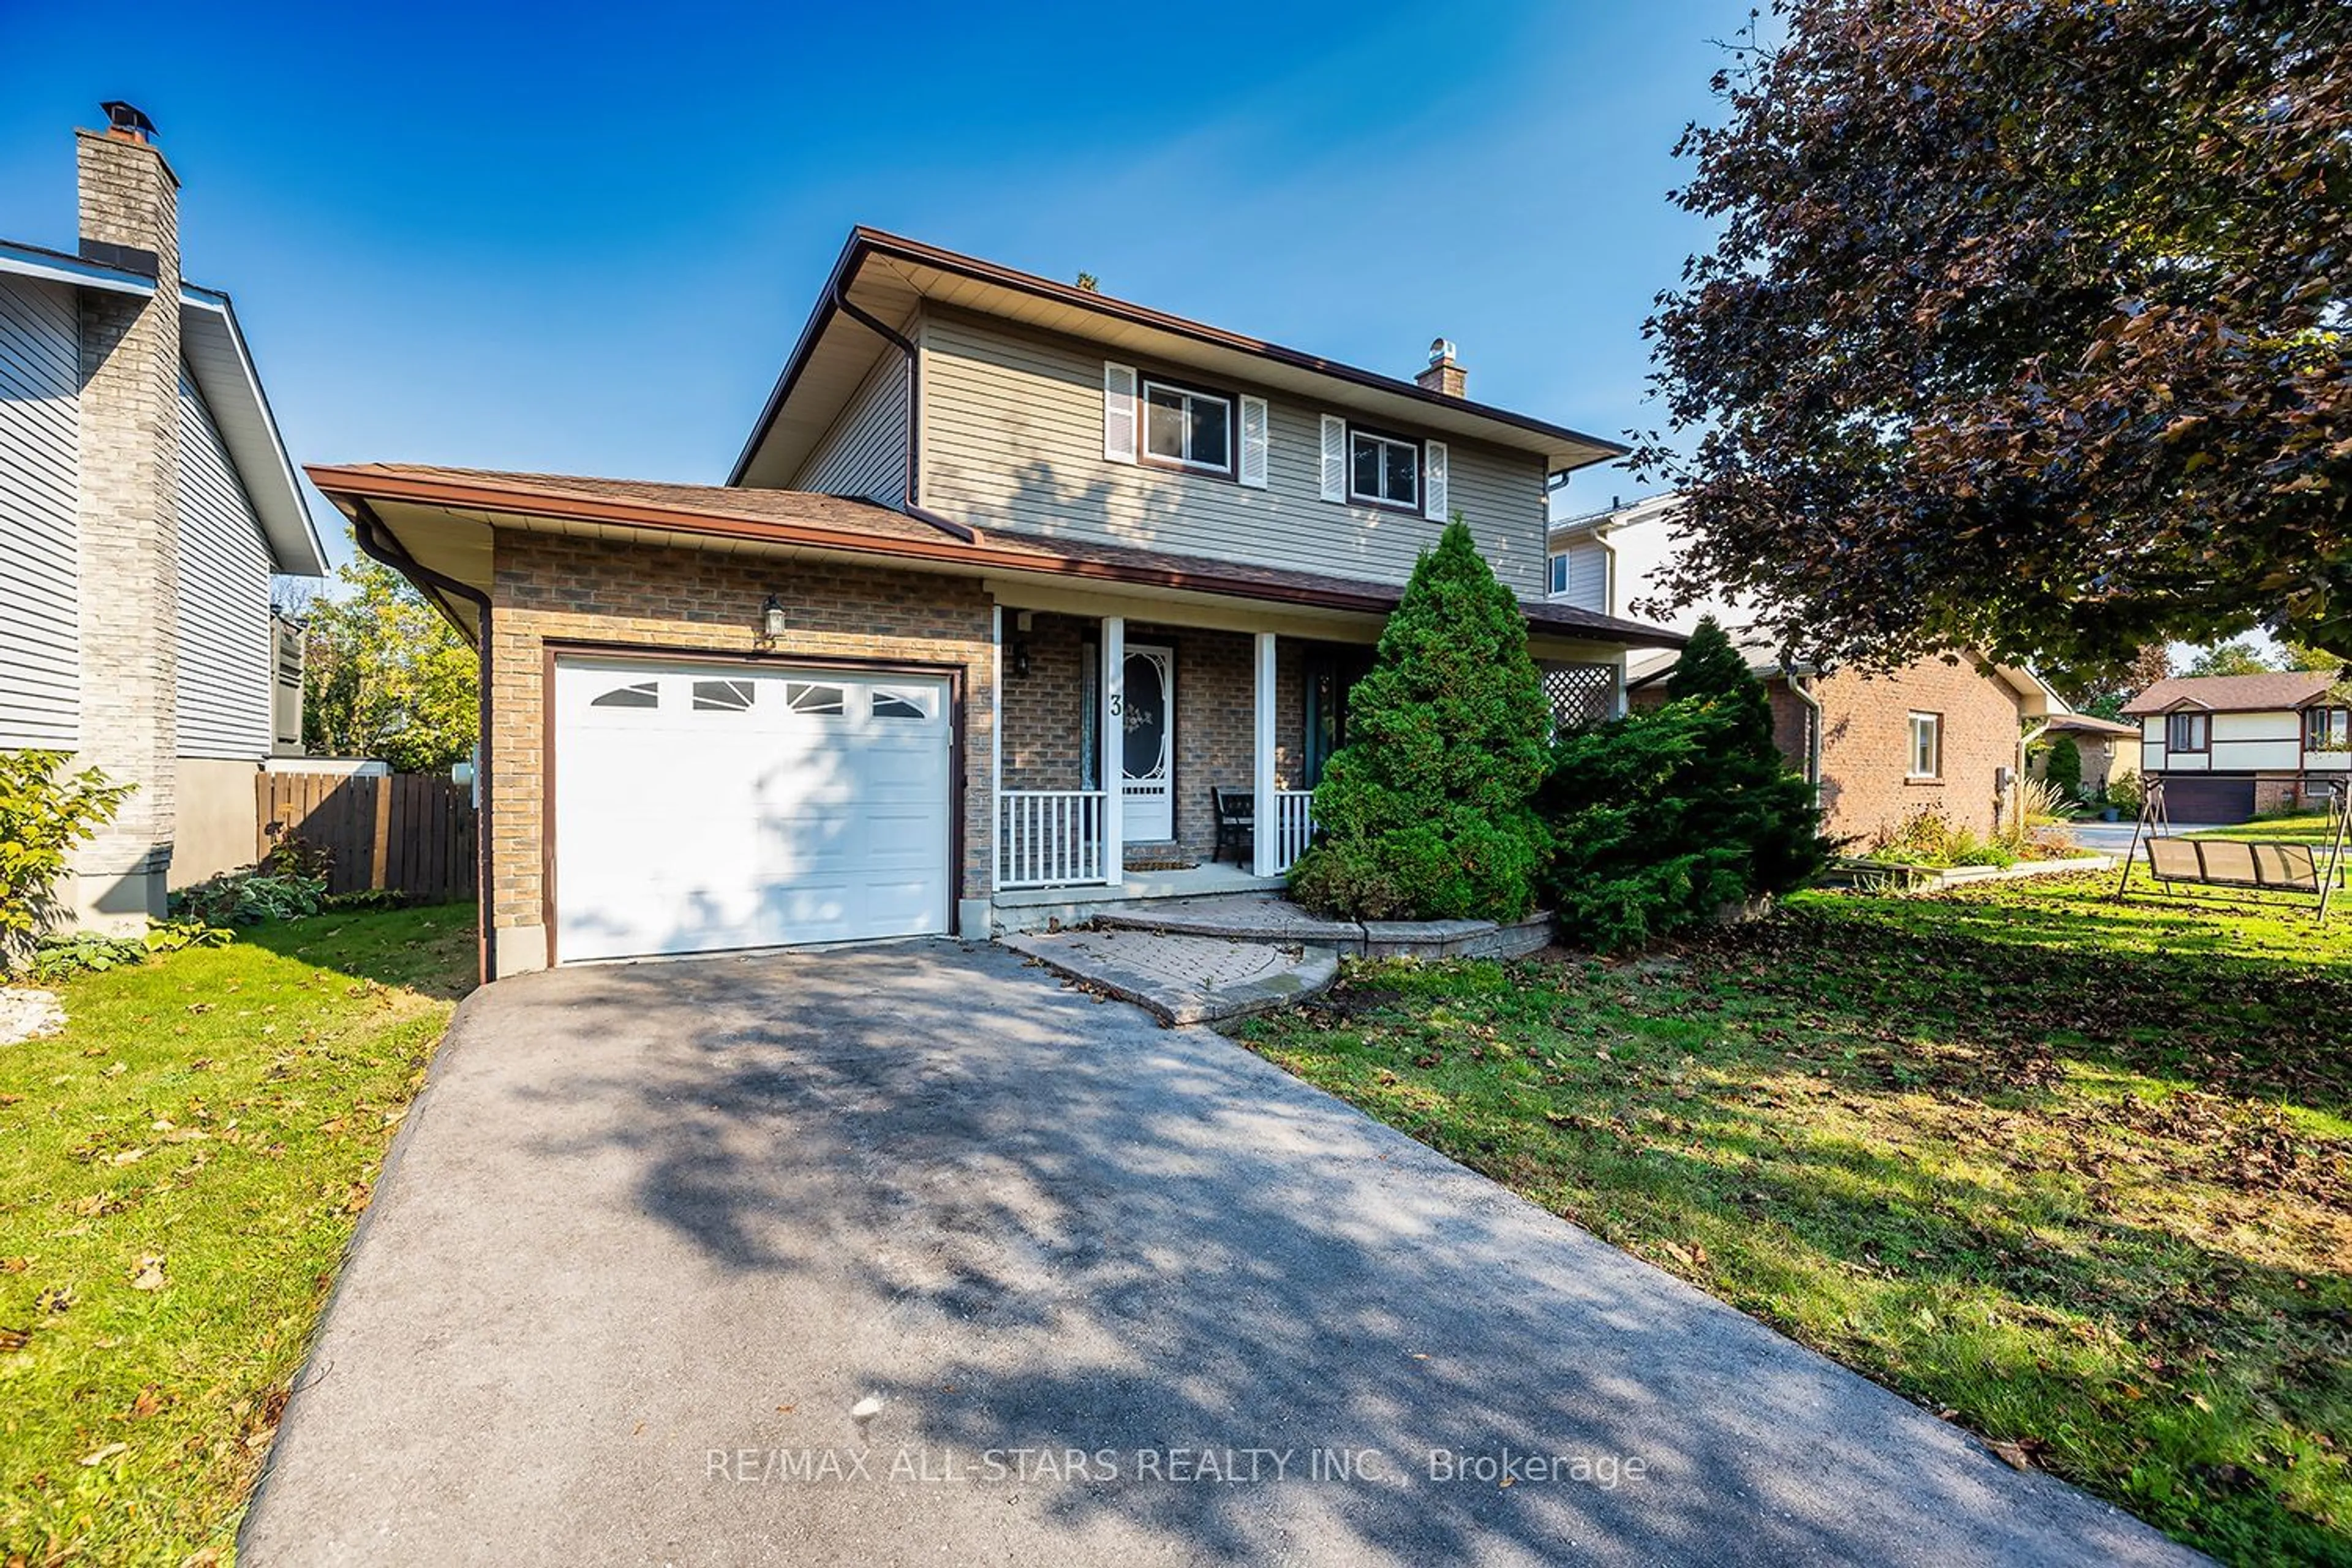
[(147, 1404), (105, 1454), (15, 1338), (150, 1275), (128, 1157)]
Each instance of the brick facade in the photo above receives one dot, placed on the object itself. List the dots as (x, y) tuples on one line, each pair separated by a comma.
[(1866, 747), (558, 588), (1216, 705), (126, 529)]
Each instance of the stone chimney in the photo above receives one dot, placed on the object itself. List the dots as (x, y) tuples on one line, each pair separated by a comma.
[(1443, 375), (128, 516)]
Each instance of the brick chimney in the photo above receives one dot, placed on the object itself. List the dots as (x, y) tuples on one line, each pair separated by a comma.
[(1443, 375), (127, 516)]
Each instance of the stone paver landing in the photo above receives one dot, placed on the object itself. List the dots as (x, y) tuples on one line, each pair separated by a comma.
[(1183, 978)]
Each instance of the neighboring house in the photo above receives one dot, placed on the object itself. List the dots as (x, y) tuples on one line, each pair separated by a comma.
[(2108, 750), (145, 503), (2229, 747), (1939, 734), (1008, 579)]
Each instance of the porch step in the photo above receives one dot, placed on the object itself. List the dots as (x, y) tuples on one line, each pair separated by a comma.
[(1182, 979), (1266, 917)]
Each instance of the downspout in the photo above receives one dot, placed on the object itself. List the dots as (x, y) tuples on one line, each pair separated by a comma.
[(1799, 686), (376, 543), (905, 345)]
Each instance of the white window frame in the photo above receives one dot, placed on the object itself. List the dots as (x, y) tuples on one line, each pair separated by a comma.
[(1420, 479), (1931, 727), (1191, 395), (1556, 574), (2197, 721)]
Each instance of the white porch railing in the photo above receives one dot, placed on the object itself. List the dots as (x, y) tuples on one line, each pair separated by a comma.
[(1049, 837), (1294, 825)]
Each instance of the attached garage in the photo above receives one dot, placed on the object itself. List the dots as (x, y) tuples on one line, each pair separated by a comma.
[(2188, 797), (702, 806)]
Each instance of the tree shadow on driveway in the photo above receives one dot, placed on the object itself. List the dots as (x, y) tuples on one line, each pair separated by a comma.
[(1065, 1229)]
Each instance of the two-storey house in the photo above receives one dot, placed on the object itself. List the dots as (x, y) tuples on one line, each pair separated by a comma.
[(146, 502), (1012, 581), (2229, 747)]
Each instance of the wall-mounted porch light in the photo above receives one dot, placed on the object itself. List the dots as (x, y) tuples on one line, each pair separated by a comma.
[(772, 619), (1021, 643)]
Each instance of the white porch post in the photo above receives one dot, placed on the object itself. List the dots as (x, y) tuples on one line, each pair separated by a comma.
[(1265, 834), (1112, 770)]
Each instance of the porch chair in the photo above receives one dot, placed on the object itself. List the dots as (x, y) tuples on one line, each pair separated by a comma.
[(1236, 814)]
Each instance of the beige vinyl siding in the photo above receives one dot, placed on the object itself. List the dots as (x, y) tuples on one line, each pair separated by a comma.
[(865, 453), (1012, 437), (40, 381), (226, 648)]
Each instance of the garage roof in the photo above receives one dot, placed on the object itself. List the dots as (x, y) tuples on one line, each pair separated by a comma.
[(443, 517)]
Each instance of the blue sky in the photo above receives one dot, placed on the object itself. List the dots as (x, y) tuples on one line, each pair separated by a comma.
[(583, 241)]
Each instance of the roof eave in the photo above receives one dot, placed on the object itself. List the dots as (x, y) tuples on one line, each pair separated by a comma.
[(865, 243), (232, 387), (349, 487)]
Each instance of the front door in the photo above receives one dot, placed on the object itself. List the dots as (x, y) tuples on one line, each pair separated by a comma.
[(1148, 744)]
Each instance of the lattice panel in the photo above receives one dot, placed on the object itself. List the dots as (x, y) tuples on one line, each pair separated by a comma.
[(1582, 693)]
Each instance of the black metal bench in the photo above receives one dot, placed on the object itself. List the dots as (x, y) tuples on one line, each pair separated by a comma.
[(1236, 814)]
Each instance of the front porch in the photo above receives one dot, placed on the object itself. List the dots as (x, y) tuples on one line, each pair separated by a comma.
[(1119, 723), (1121, 744)]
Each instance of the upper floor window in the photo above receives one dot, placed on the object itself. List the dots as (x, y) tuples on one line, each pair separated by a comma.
[(2188, 731), (1383, 470), (2327, 729), (1558, 583), (1188, 427), (1926, 759)]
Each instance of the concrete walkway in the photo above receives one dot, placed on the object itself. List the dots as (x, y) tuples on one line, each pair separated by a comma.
[(911, 1255)]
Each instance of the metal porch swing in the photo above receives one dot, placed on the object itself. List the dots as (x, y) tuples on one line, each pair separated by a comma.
[(2298, 871)]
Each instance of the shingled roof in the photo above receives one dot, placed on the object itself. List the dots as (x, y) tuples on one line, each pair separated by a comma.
[(2266, 692), (666, 511)]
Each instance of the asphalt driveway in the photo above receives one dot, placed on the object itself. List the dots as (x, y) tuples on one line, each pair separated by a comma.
[(909, 1255)]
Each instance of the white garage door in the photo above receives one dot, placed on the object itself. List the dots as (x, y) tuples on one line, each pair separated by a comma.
[(700, 807)]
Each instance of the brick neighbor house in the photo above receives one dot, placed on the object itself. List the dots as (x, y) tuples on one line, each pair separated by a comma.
[(1011, 580), (1943, 734), (145, 503), (2229, 747)]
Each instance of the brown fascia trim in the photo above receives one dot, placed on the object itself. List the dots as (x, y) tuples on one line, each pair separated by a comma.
[(359, 485), (866, 242)]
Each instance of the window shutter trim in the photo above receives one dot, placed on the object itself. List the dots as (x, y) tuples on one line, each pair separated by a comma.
[(1256, 437), (1335, 457), (1119, 412), (1432, 481)]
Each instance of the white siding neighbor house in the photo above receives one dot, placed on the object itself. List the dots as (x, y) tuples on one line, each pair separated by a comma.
[(146, 501), (2229, 747)]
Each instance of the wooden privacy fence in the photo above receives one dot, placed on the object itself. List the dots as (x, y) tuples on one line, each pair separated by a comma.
[(407, 833)]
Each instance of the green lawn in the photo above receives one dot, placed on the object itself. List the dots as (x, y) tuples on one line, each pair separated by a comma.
[(2078, 1175), (179, 1173), (2312, 826)]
